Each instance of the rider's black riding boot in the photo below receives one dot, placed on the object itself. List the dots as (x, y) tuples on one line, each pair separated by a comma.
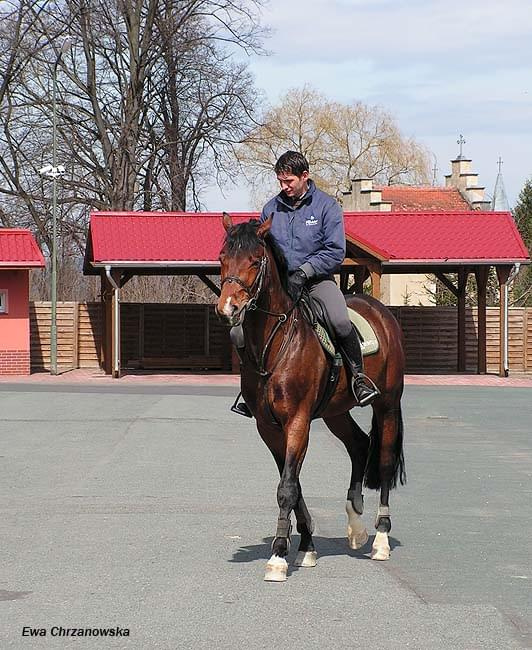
[(363, 389)]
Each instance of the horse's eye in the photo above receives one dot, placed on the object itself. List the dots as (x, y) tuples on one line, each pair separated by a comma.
[(256, 264)]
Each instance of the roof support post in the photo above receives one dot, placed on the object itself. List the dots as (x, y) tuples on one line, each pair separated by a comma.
[(107, 321), (462, 282), (209, 283), (375, 272), (360, 273), (344, 281), (481, 276), (503, 273), (114, 280)]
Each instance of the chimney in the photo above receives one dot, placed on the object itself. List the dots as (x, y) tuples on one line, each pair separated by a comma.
[(465, 180), (363, 198)]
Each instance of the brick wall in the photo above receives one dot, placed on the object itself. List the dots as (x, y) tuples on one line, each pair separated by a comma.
[(14, 362)]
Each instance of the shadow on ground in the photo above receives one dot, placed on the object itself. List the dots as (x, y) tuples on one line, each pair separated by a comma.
[(325, 546)]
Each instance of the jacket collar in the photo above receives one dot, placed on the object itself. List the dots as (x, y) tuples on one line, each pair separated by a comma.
[(282, 198)]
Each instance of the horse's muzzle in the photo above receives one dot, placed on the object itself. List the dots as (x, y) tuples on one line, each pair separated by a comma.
[(234, 318)]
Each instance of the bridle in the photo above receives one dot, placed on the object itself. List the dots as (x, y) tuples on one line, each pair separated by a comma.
[(253, 291)]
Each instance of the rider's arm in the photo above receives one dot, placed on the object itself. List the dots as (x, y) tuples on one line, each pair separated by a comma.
[(331, 254)]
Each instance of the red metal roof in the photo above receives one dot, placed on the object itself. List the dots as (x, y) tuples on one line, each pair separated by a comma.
[(405, 198), (155, 238), (18, 249), (438, 236)]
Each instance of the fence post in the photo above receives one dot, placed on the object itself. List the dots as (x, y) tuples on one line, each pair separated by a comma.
[(75, 335)]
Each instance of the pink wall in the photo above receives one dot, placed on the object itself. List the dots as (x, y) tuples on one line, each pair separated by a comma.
[(15, 325)]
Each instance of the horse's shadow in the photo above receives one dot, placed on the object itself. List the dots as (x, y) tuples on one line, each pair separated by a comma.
[(325, 547)]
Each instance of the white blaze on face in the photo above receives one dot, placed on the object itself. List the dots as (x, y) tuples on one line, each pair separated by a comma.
[(227, 310)]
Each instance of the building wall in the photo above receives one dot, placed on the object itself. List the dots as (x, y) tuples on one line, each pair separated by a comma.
[(14, 325), (408, 289)]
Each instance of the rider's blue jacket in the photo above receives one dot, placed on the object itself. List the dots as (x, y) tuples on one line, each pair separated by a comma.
[(312, 236)]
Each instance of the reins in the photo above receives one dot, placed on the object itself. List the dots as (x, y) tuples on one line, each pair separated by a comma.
[(253, 292)]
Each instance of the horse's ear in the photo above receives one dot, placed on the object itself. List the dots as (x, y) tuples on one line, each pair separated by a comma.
[(264, 227), (227, 221)]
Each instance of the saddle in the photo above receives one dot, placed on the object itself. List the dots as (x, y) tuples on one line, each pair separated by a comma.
[(316, 314), (314, 311)]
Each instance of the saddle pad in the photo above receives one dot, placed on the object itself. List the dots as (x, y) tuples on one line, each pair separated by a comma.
[(369, 342)]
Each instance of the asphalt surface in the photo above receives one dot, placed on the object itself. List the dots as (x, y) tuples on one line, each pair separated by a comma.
[(151, 508)]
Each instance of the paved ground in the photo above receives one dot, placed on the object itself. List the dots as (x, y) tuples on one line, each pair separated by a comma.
[(148, 506), (95, 377)]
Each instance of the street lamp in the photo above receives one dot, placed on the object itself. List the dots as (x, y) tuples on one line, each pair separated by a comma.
[(53, 171)]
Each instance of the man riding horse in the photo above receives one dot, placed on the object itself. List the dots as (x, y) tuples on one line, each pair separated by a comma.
[(308, 226)]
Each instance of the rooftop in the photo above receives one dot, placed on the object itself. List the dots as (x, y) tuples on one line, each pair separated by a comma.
[(140, 239), (18, 249), (407, 198)]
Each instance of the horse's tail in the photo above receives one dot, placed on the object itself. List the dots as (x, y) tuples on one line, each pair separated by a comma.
[(397, 472)]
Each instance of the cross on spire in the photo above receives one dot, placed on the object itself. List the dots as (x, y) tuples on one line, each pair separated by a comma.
[(499, 162), (434, 170), (460, 142)]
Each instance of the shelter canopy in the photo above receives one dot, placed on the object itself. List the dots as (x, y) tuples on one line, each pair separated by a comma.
[(398, 241)]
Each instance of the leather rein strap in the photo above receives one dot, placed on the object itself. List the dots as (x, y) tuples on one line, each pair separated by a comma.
[(253, 292)]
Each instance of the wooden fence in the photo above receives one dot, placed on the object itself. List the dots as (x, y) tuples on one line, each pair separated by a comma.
[(190, 336)]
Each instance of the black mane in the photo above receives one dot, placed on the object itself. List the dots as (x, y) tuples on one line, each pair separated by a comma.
[(243, 238)]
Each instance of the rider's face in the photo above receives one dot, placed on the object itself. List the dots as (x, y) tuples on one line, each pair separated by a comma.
[(293, 186)]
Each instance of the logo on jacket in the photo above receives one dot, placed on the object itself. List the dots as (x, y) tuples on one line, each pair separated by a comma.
[(311, 222)]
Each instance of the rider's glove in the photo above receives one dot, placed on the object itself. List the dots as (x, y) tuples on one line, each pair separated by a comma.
[(296, 282)]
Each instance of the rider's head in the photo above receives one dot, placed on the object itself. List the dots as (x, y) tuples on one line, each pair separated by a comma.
[(292, 172)]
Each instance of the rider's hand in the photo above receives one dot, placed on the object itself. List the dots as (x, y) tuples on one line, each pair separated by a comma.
[(296, 282)]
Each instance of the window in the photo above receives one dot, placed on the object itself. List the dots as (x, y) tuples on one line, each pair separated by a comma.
[(3, 301)]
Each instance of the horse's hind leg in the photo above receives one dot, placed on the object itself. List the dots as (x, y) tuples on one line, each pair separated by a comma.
[(389, 457), (306, 554), (356, 442)]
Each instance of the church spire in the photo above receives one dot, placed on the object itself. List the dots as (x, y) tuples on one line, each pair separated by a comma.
[(499, 203)]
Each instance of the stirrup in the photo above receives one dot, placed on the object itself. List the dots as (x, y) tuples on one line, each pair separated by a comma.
[(370, 385), (241, 408)]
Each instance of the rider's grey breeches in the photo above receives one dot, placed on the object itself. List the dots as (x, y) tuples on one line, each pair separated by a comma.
[(329, 294)]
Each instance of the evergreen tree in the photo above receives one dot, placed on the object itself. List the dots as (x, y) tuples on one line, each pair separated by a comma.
[(522, 288)]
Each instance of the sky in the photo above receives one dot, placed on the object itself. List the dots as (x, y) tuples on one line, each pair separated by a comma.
[(441, 68)]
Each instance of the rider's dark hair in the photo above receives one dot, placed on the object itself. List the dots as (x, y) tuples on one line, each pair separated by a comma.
[(291, 162)]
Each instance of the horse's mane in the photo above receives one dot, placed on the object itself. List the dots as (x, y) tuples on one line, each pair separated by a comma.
[(243, 238)]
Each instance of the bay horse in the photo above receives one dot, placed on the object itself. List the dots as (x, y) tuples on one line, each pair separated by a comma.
[(284, 373)]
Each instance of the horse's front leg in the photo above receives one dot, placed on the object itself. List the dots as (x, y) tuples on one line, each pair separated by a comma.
[(289, 498)]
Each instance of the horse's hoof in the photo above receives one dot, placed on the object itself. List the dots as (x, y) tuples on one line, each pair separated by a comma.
[(276, 569), (306, 558), (357, 541), (381, 549)]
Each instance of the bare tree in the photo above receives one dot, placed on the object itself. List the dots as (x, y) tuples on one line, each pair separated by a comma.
[(340, 142), (151, 101)]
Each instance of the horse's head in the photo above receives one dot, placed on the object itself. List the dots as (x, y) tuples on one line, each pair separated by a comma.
[(243, 262)]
